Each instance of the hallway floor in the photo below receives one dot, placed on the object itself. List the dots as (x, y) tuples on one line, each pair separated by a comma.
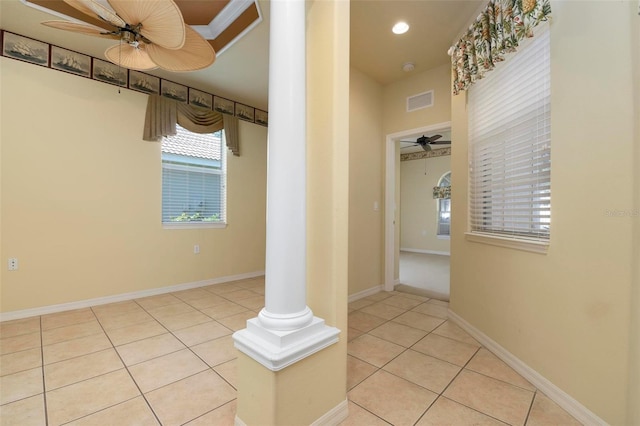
[(427, 273), (170, 360)]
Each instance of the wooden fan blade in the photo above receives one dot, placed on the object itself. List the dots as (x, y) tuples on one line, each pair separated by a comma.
[(95, 9), (196, 54), (161, 20), (127, 56), (81, 28)]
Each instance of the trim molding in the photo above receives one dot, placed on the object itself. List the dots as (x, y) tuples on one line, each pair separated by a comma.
[(25, 313), (334, 416), (557, 395), (364, 293), (540, 247), (443, 253), (439, 152)]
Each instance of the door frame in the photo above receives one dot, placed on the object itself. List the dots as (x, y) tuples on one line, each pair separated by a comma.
[(391, 151)]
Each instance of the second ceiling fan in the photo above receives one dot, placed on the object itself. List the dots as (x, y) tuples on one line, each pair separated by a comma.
[(425, 142)]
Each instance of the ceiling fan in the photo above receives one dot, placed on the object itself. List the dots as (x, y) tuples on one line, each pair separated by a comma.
[(425, 142), (152, 34)]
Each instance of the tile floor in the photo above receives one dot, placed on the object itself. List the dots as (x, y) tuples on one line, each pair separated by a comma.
[(170, 360)]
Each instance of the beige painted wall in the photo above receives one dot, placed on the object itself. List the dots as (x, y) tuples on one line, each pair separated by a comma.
[(366, 150), (396, 119), (81, 196), (418, 208), (566, 314)]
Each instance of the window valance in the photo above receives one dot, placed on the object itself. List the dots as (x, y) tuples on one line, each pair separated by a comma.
[(497, 31), (442, 192), (163, 114)]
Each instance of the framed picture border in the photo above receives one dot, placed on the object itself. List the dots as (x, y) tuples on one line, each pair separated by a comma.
[(204, 95), (110, 65), (154, 89), (245, 112), (262, 117), (219, 102), (168, 83), (70, 69), (46, 47)]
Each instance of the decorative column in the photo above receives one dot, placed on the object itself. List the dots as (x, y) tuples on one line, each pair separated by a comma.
[(286, 330)]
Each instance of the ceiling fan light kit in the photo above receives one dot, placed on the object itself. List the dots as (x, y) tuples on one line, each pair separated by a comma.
[(152, 34)]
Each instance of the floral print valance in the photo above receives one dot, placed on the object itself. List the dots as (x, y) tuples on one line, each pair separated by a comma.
[(497, 31), (441, 192)]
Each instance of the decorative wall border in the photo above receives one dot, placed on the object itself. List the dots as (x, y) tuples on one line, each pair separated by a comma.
[(36, 52), (440, 152)]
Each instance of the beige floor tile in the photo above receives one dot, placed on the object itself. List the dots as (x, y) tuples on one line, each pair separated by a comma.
[(157, 301), (401, 302), (445, 412), (177, 322), (89, 396), (20, 342), (207, 301), (418, 320), (432, 309), (438, 302), (223, 288), (361, 303), (395, 400), (192, 294), (446, 349), (218, 351), (253, 303), (358, 416), (357, 371), (61, 319), (373, 350), (400, 334), (413, 296), (229, 372), (484, 362), (423, 370), (112, 322), (20, 385), (118, 308), (495, 398), (379, 296), (170, 310), (20, 361), (201, 333), (161, 371), (146, 349), (76, 347), (382, 310), (364, 322), (545, 412), (132, 333), (352, 333), (222, 416), (74, 370), (452, 331), (238, 295), (187, 399), (238, 321), (70, 332), (224, 310), (132, 412), (18, 327), (25, 412)]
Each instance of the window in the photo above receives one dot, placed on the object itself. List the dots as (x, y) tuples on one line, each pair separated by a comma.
[(510, 146), (193, 179), (444, 208)]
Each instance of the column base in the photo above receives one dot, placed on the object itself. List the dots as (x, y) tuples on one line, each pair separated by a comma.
[(276, 349)]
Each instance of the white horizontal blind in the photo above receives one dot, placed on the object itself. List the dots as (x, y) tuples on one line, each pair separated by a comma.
[(510, 145), (193, 188)]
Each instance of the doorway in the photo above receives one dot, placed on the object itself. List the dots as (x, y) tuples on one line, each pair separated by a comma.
[(412, 264)]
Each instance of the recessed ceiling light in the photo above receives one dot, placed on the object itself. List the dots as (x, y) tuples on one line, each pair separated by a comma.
[(408, 66), (400, 28)]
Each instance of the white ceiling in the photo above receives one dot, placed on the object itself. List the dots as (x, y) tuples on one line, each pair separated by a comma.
[(241, 72)]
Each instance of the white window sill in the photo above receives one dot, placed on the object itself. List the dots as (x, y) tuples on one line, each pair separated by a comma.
[(508, 242), (444, 237), (192, 225)]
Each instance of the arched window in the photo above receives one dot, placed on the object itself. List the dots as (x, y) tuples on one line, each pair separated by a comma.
[(444, 206)]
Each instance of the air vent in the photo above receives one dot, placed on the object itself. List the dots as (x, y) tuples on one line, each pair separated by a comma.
[(419, 101)]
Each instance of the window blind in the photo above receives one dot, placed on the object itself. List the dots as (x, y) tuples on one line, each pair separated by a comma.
[(510, 145)]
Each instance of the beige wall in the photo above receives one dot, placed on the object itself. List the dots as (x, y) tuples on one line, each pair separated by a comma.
[(81, 196), (366, 143), (566, 314), (418, 208)]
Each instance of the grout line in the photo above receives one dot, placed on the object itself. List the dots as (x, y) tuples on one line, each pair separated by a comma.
[(44, 387), (526, 419)]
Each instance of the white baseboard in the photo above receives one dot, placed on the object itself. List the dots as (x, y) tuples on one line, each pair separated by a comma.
[(364, 293), (25, 313), (396, 282), (442, 253), (332, 417), (557, 395)]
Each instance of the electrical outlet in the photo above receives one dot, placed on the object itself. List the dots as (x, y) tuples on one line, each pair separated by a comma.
[(196, 249), (13, 264)]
